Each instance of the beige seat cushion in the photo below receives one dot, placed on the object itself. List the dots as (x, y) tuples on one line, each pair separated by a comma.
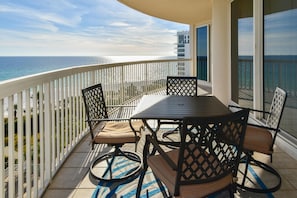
[(117, 133), (165, 173), (258, 139)]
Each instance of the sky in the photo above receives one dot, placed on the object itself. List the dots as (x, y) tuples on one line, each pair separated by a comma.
[(280, 34), (82, 28)]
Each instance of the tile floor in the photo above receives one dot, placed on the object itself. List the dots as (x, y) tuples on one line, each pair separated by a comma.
[(73, 179)]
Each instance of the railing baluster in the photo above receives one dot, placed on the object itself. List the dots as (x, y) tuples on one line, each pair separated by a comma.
[(75, 108), (11, 156), (2, 144), (58, 123), (62, 107), (53, 126), (35, 140), (28, 144), (72, 107), (47, 133), (20, 139), (67, 114), (41, 104)]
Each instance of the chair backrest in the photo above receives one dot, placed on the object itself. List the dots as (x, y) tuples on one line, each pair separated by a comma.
[(181, 85), (276, 108), (94, 105), (210, 147)]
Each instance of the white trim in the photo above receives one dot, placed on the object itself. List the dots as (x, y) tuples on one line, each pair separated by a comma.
[(258, 54), (193, 49)]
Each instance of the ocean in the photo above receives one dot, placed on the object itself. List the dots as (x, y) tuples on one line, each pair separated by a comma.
[(19, 66)]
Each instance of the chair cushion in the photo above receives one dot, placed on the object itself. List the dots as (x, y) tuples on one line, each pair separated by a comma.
[(168, 176), (258, 139), (117, 132)]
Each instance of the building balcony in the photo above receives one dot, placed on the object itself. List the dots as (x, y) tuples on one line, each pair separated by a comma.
[(44, 134)]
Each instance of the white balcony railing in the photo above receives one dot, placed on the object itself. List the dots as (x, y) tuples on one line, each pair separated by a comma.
[(42, 116)]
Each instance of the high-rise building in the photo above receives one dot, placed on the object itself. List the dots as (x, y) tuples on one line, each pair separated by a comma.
[(183, 52)]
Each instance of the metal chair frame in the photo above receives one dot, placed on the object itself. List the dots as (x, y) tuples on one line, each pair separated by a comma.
[(272, 125), (210, 150), (181, 85), (96, 112)]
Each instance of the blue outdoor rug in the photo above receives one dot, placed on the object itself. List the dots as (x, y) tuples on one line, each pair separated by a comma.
[(127, 188), (151, 187)]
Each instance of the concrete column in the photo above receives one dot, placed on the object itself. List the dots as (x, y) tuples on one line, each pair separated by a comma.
[(220, 53)]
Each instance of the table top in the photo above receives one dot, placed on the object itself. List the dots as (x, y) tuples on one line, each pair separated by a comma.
[(170, 107)]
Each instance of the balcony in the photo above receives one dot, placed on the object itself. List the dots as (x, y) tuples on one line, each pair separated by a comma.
[(44, 136)]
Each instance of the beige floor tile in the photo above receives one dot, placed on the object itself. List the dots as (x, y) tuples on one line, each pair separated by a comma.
[(88, 182), (282, 160), (69, 178), (84, 145), (285, 194), (59, 193), (82, 193), (290, 175), (286, 186), (79, 160), (243, 194)]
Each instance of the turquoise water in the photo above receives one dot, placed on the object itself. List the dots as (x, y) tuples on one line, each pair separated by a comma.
[(18, 66), (13, 67)]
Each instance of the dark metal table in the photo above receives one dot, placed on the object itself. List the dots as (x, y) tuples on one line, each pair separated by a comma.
[(163, 107), (170, 107)]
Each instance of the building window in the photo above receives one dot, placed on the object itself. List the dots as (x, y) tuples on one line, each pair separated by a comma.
[(202, 53)]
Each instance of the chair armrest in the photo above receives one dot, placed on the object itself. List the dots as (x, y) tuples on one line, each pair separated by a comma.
[(150, 140), (120, 111), (250, 109)]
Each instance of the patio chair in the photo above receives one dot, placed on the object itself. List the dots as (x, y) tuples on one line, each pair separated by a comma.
[(179, 86), (114, 132), (261, 138), (207, 160)]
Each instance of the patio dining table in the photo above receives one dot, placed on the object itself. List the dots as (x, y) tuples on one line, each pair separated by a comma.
[(171, 107)]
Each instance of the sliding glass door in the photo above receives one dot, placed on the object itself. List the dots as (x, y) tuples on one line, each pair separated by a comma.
[(280, 57)]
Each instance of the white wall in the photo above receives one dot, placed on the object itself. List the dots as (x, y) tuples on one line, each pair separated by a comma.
[(220, 53)]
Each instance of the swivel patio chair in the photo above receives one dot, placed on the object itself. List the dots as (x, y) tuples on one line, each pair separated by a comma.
[(179, 86), (207, 160), (261, 139), (114, 132)]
